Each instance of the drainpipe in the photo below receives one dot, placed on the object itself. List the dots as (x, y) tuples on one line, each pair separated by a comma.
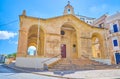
[(37, 43)]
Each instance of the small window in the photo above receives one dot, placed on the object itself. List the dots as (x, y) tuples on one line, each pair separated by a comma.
[(115, 28), (115, 42), (101, 25), (82, 19), (68, 10)]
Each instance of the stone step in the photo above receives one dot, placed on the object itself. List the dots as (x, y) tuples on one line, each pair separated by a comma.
[(78, 64)]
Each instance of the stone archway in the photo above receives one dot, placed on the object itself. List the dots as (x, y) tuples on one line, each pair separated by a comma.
[(69, 45), (33, 39), (97, 46), (31, 50)]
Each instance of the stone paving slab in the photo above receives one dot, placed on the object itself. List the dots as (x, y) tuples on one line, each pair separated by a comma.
[(88, 74), (96, 74)]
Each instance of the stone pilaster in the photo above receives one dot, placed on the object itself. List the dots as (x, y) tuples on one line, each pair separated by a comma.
[(22, 44), (79, 44), (112, 57)]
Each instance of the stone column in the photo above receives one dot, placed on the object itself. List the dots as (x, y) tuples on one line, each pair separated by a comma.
[(79, 44), (105, 44), (22, 44), (104, 50)]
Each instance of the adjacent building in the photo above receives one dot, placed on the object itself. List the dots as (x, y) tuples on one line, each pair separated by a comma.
[(112, 23), (86, 19), (2, 58)]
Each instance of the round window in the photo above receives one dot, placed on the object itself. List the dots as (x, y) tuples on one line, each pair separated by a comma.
[(74, 45)]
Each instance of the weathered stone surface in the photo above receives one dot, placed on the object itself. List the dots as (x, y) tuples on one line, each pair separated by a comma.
[(78, 36)]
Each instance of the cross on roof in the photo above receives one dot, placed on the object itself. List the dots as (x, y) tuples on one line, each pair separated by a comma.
[(68, 2)]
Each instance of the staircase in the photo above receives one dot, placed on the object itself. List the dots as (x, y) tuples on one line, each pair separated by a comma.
[(104, 61), (78, 64)]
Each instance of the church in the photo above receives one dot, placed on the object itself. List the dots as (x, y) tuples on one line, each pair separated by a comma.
[(59, 37)]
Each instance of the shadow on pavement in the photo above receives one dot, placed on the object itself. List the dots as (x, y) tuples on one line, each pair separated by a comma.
[(11, 68), (63, 72)]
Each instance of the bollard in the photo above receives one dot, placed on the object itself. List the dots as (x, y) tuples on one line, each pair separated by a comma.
[(45, 67)]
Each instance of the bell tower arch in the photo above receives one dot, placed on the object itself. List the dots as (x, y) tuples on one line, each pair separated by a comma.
[(68, 9)]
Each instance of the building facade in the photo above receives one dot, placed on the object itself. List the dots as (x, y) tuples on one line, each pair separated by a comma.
[(112, 23), (64, 36), (2, 58), (86, 19)]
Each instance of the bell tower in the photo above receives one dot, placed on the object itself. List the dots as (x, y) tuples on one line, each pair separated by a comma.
[(68, 9)]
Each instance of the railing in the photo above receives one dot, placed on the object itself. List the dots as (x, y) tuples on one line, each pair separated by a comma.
[(50, 58)]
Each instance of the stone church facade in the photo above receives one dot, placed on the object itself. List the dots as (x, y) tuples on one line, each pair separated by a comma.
[(64, 36)]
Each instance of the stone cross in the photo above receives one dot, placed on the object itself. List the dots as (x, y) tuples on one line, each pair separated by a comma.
[(68, 2)]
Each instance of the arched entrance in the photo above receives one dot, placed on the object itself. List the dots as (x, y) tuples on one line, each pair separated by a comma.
[(97, 46), (32, 50), (34, 40), (68, 41)]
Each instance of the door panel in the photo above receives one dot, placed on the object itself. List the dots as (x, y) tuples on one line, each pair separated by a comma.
[(63, 51), (117, 55)]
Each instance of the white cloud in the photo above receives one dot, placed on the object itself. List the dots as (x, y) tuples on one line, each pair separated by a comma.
[(7, 35)]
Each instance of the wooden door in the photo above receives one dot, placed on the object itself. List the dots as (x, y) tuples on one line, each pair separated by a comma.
[(63, 51)]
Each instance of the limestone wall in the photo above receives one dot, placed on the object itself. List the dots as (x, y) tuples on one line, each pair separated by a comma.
[(52, 37)]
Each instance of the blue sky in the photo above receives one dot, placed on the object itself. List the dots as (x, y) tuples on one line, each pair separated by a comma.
[(11, 9)]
